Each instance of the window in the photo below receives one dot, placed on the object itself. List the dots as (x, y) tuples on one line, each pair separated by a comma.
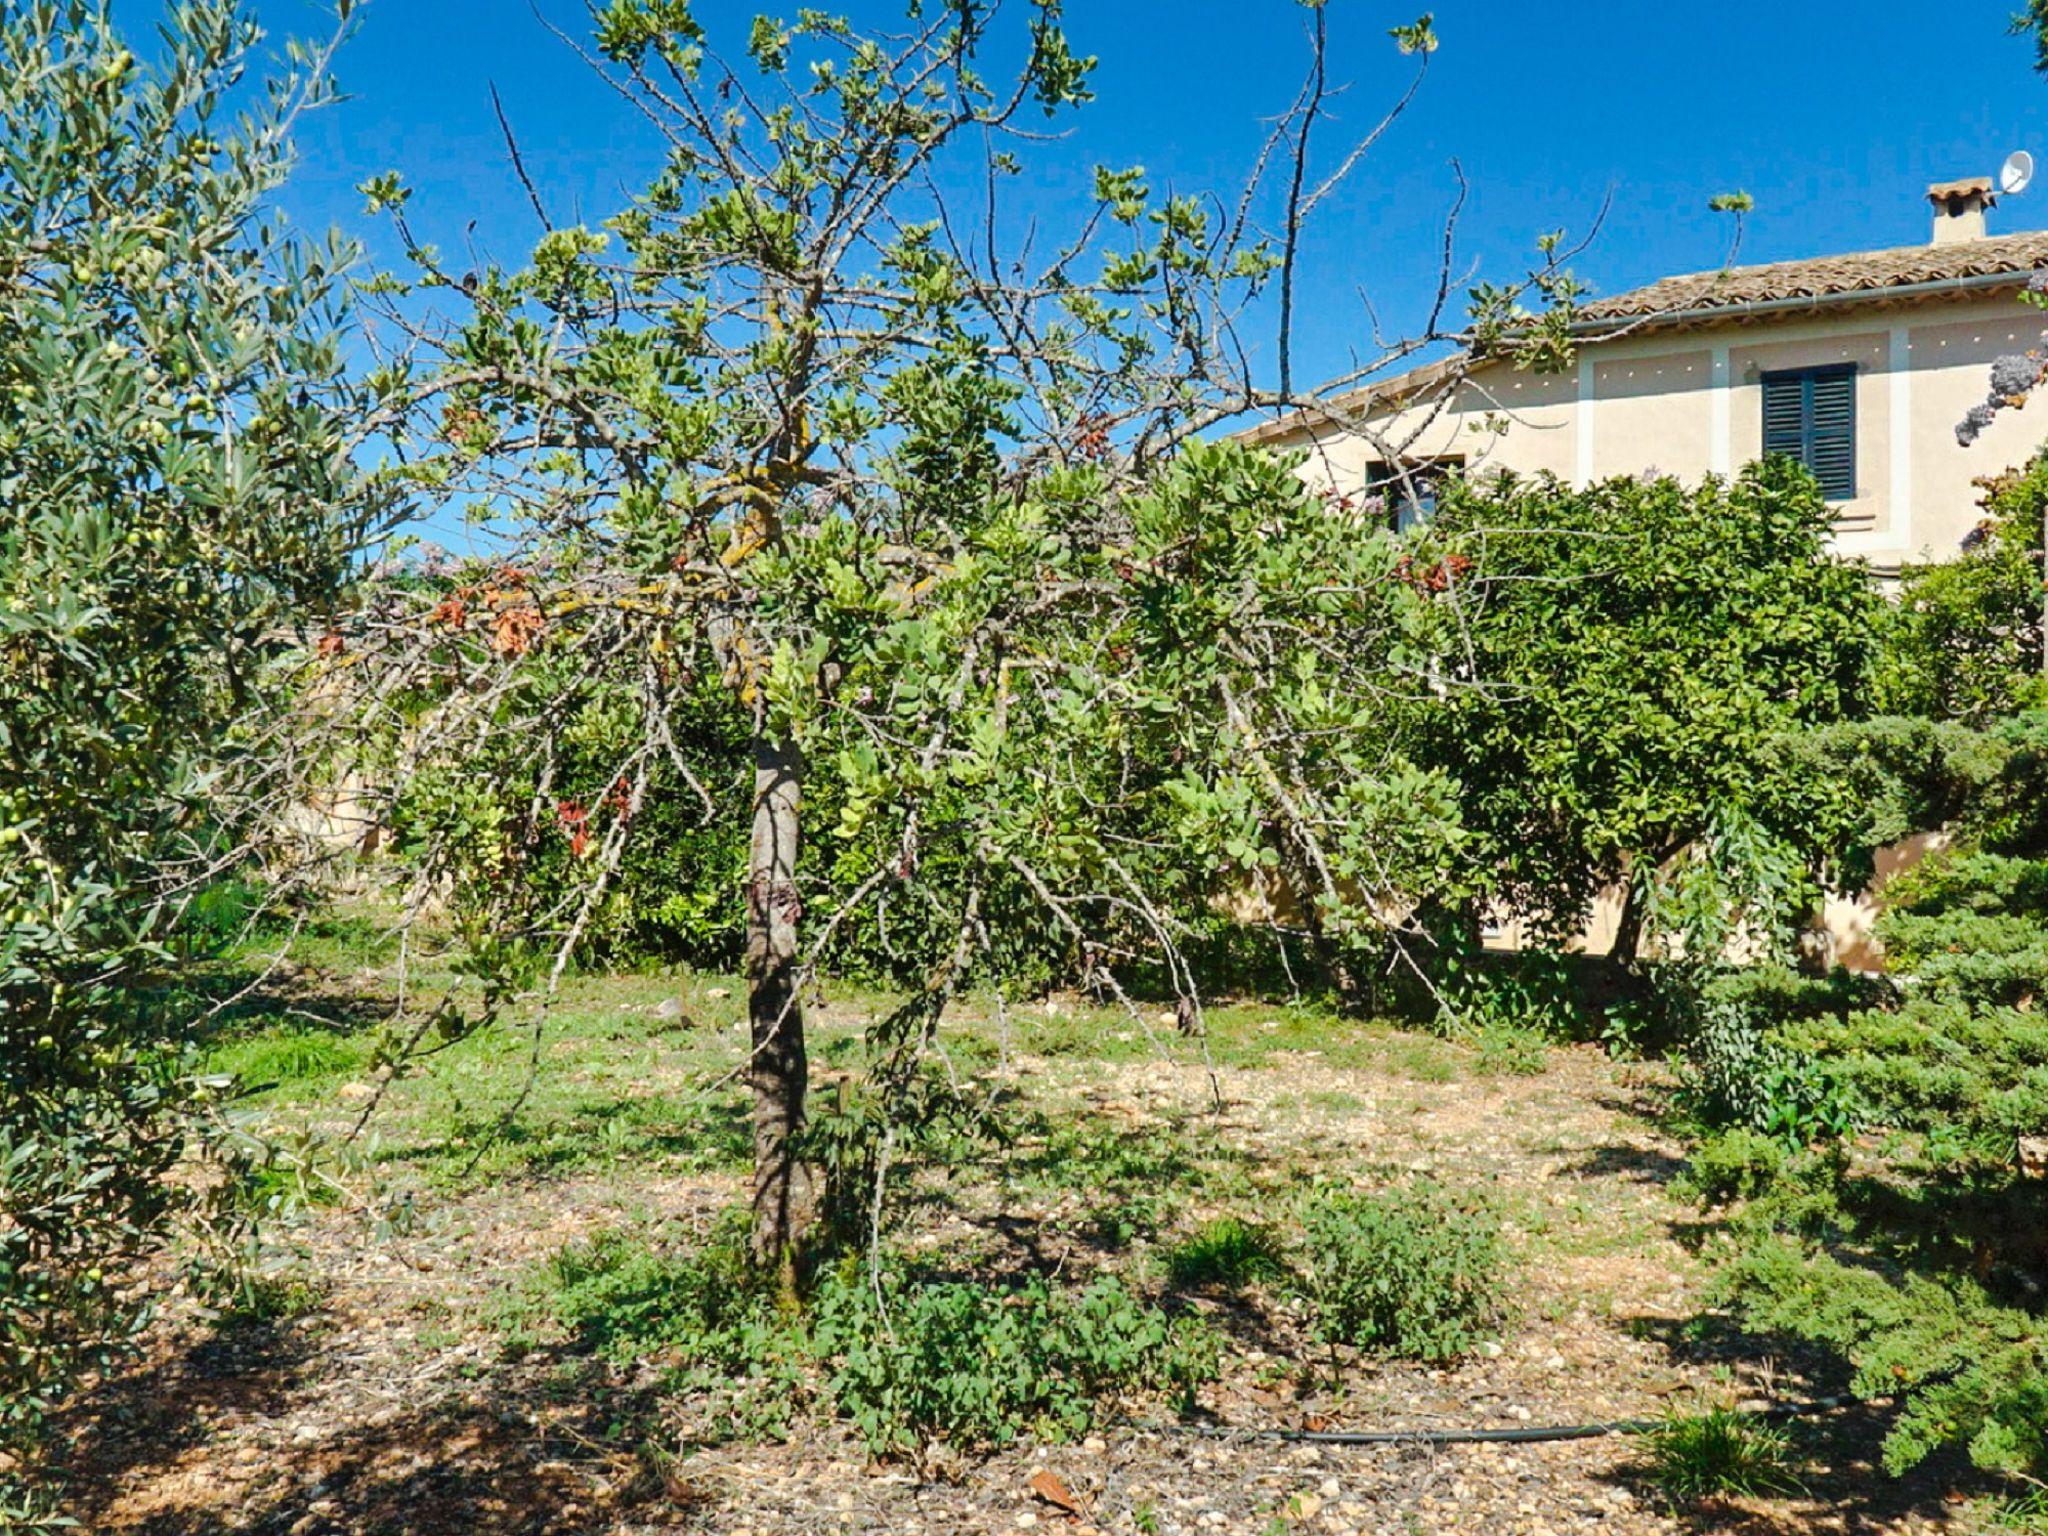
[(1810, 415), (1409, 489)]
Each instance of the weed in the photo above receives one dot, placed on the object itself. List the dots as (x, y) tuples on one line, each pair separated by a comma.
[(620, 1296), (1416, 1270), (290, 1061), (1510, 1050), (2026, 1515), (978, 1366), (1228, 1253), (1706, 1455)]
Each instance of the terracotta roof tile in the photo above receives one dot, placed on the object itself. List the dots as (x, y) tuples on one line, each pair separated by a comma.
[(1827, 277), (1823, 279), (1942, 191)]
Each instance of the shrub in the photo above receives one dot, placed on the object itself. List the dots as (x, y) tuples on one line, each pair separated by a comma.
[(1416, 1270), (1733, 1165), (970, 1364), (1740, 1069), (622, 1297), (1707, 1455), (736, 1360), (1228, 1252), (1921, 1261), (975, 1366)]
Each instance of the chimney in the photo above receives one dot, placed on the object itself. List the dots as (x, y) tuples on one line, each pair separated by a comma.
[(1959, 208)]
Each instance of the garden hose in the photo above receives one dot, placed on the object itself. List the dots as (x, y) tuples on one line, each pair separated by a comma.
[(1521, 1436)]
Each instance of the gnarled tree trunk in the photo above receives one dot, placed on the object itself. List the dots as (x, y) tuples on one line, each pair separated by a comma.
[(777, 1072)]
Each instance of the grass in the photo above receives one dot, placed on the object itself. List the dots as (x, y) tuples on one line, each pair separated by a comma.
[(1718, 1454), (1227, 1253)]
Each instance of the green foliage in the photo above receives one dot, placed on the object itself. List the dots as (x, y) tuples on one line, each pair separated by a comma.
[(907, 1360), (1739, 1070), (977, 1367), (1697, 1456), (179, 507), (703, 1311), (1416, 1270), (1973, 1369), (1643, 644), (1228, 1253), (1964, 642), (1920, 1260), (1733, 1164), (616, 1295)]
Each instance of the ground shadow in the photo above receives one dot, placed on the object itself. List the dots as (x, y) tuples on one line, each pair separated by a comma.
[(1837, 1451), (1836, 1460), (551, 1446), (1622, 1160)]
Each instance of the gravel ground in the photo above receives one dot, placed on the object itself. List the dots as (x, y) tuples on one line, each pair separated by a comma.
[(394, 1408)]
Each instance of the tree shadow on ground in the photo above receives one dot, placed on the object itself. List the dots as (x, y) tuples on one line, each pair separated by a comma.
[(1837, 1452), (155, 1414), (1621, 1160), (549, 1447)]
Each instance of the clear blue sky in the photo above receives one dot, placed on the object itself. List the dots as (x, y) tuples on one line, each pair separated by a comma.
[(1833, 113)]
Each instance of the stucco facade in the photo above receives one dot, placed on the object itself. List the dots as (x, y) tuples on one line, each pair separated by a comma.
[(1689, 402)]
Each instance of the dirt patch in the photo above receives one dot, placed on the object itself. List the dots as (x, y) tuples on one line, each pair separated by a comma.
[(394, 1409)]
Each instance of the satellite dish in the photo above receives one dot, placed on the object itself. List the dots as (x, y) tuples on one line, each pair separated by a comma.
[(2017, 171)]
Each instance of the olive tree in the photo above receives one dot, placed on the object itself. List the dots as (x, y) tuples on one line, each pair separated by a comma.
[(178, 504)]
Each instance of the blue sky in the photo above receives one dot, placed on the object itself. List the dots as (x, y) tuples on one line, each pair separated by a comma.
[(1834, 114)]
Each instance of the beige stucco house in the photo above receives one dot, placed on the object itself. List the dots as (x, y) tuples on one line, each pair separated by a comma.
[(1859, 364)]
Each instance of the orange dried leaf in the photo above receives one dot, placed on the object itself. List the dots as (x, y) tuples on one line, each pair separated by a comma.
[(1056, 1493)]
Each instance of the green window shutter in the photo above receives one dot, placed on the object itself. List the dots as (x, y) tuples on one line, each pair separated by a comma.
[(1831, 433), (1810, 415)]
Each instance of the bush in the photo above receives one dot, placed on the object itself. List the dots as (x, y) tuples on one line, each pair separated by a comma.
[(617, 1295), (1964, 642), (1733, 1165), (1740, 1066), (1416, 1271), (1921, 1261), (967, 1363), (975, 1366), (1707, 1455)]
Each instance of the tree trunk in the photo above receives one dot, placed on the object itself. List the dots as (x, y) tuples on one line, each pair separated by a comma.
[(777, 1073), (1628, 927)]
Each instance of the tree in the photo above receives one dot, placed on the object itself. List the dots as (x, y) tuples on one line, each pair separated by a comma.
[(178, 509), (1633, 654), (807, 421)]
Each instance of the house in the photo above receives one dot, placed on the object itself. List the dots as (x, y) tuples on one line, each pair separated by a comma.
[(1860, 365)]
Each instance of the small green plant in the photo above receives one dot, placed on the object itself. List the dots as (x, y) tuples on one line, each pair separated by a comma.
[(2025, 1515), (1228, 1253), (732, 1355), (1708, 1455), (623, 1297), (1736, 1164), (1511, 1050), (1415, 1270), (976, 1366)]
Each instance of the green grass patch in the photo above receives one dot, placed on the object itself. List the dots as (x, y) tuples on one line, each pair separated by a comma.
[(1227, 1253), (1693, 1457)]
